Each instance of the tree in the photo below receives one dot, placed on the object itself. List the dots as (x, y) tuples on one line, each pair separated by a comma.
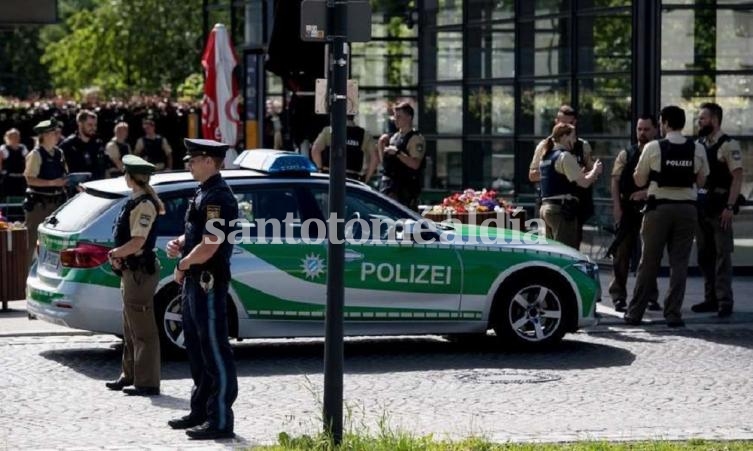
[(127, 47), (21, 73)]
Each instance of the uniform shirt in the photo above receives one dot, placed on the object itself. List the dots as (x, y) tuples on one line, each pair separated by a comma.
[(142, 217), (416, 145), (34, 162), (113, 151), (538, 154), (619, 163), (325, 138), (5, 153), (650, 160), (567, 165), (729, 152), (138, 149)]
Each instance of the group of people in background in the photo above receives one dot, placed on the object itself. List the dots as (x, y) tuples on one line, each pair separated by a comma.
[(665, 192)]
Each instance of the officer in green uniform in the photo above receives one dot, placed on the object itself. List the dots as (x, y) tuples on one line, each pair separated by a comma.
[(133, 258), (45, 179), (204, 272), (673, 167), (718, 203)]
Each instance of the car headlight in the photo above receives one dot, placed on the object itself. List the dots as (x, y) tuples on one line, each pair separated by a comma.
[(588, 268)]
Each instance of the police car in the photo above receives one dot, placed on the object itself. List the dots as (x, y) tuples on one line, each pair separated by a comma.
[(529, 294)]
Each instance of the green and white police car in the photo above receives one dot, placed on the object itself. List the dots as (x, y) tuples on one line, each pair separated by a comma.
[(530, 294)]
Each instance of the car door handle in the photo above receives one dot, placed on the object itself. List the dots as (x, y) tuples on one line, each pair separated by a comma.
[(352, 256)]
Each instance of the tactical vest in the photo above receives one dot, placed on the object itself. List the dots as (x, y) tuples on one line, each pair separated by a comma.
[(719, 177), (51, 168), (552, 182), (402, 175), (626, 182), (677, 165), (153, 152), (123, 150), (121, 233), (15, 163), (353, 150)]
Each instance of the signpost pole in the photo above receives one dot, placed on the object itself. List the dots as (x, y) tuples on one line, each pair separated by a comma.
[(333, 345)]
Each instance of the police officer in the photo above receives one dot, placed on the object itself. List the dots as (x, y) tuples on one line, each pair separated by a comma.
[(673, 167), (361, 159), (403, 159), (628, 201), (116, 149), (12, 163), (153, 147), (717, 206), (133, 258), (204, 271), (45, 174), (83, 150), (583, 154), (560, 177)]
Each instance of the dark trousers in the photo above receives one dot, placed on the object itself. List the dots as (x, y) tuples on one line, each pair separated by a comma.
[(673, 226), (715, 248), (209, 354), (622, 258)]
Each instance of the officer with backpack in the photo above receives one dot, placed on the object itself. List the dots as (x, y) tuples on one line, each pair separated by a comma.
[(718, 203)]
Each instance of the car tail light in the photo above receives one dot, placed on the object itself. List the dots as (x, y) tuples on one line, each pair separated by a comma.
[(84, 255)]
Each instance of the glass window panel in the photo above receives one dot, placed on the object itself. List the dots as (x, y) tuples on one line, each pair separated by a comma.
[(604, 105), (393, 24), (449, 163), (539, 102), (689, 39), (487, 10), (545, 47), (604, 43), (375, 109), (379, 63), (733, 92), (449, 55), (606, 151), (496, 159), (445, 104), (543, 7), (491, 50), (522, 163), (449, 12), (734, 39), (490, 110), (610, 3)]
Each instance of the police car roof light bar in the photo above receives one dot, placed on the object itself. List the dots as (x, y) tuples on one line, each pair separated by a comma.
[(275, 162)]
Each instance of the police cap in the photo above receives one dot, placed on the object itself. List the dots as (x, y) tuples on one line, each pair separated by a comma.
[(137, 165), (45, 126), (206, 147)]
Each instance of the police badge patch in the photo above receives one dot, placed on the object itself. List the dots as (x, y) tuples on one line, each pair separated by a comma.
[(213, 212), (145, 220)]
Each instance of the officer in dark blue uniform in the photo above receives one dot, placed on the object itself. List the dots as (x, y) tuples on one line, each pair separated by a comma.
[(204, 272)]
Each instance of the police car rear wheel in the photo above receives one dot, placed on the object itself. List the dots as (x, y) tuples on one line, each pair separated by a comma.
[(531, 313), (169, 315)]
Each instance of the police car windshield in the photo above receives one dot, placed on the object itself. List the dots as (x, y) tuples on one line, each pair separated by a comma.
[(79, 212)]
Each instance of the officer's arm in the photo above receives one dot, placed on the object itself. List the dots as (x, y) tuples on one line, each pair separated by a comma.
[(373, 163), (168, 154), (33, 163), (415, 147), (316, 153), (131, 247), (139, 147), (112, 152), (533, 169), (737, 184), (642, 169), (201, 253)]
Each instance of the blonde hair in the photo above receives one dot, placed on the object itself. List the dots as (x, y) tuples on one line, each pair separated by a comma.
[(9, 133), (119, 125), (142, 181), (558, 132)]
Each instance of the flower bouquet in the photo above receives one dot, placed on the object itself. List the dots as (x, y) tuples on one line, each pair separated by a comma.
[(470, 206)]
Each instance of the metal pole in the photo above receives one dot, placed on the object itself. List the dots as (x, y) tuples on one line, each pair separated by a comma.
[(333, 343)]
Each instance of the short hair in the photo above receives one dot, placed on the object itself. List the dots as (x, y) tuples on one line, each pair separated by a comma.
[(120, 125), (148, 120), (218, 162), (567, 110), (648, 117), (405, 108), (674, 116), (12, 131), (85, 115), (714, 109)]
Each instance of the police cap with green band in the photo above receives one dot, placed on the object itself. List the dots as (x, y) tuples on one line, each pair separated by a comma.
[(137, 165), (45, 126), (205, 147)]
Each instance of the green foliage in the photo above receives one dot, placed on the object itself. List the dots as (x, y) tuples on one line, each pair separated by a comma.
[(126, 47), (192, 87), (22, 74)]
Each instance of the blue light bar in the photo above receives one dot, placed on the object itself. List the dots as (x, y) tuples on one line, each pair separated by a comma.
[(274, 161)]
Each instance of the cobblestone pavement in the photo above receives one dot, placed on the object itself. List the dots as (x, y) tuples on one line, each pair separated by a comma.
[(610, 383)]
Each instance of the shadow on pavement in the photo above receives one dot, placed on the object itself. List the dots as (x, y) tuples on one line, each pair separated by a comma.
[(367, 356)]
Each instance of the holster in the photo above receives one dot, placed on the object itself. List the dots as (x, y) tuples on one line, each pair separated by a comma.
[(145, 262)]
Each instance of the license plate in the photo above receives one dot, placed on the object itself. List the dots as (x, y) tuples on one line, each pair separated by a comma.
[(50, 260)]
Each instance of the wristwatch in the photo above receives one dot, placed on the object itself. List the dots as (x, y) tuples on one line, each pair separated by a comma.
[(730, 207)]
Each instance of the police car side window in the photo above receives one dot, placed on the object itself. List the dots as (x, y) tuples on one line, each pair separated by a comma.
[(360, 204), (172, 223), (268, 204)]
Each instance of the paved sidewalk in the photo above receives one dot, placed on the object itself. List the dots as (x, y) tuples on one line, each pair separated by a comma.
[(15, 322)]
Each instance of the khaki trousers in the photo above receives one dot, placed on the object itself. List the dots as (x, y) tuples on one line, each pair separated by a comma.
[(559, 227), (673, 226), (715, 247), (35, 217), (141, 352)]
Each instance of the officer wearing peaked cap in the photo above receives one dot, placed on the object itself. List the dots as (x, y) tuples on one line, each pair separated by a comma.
[(45, 174), (204, 272), (133, 258)]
